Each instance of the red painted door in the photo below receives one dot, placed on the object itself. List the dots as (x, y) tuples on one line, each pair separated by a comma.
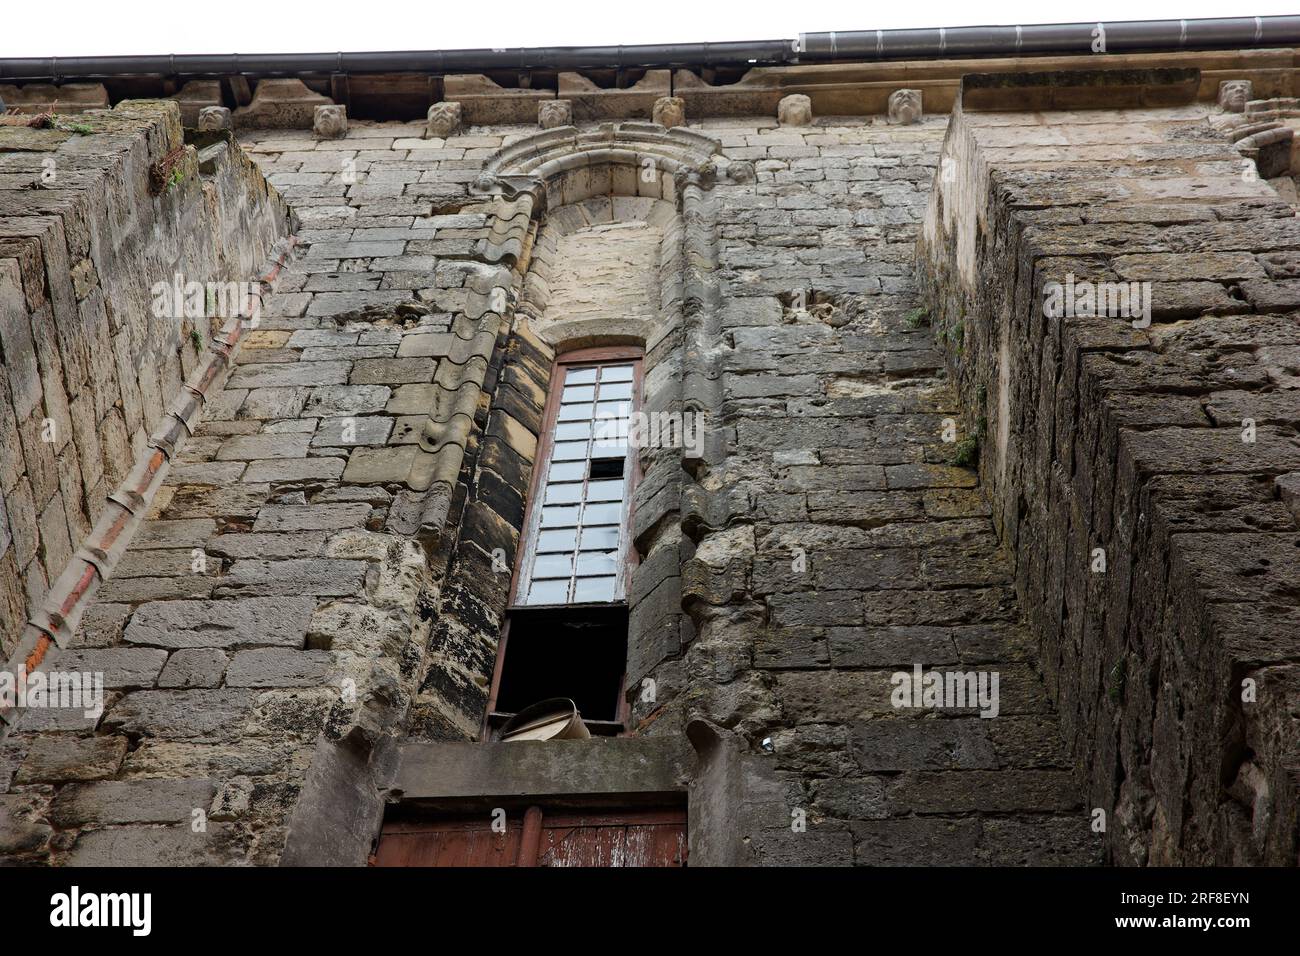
[(595, 838)]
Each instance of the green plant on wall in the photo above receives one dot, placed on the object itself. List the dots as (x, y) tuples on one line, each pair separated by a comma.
[(67, 126), (967, 452)]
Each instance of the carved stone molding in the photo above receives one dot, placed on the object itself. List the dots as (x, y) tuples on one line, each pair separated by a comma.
[(517, 185)]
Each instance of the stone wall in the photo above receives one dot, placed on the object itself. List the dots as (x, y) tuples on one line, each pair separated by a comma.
[(1143, 478), (89, 369), (356, 490), (848, 544)]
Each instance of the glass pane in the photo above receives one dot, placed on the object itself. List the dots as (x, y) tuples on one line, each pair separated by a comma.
[(550, 592), (564, 540), (598, 514), (614, 390), (564, 494), (567, 431), (603, 490), (596, 563), (569, 451), (563, 517), (594, 589), (555, 566), (599, 539), (567, 471), (579, 549), (610, 435)]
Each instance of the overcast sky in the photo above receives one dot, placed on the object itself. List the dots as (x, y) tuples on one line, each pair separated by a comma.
[(113, 27)]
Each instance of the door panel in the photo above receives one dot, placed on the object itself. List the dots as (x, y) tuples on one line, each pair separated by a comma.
[(447, 843), (587, 839)]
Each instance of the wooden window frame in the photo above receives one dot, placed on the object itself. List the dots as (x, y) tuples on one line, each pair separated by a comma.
[(532, 510), (531, 530)]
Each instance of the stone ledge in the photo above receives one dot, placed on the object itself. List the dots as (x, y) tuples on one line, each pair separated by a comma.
[(599, 766), (1079, 90)]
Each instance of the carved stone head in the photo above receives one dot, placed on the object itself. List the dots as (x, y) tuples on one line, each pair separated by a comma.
[(905, 106), (214, 117), (794, 110), (553, 113), (331, 122), (1234, 95), (670, 111), (739, 171), (444, 119)]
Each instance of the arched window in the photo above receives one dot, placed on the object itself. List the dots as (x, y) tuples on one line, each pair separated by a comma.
[(595, 228)]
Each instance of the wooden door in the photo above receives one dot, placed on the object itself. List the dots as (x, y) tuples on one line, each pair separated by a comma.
[(595, 838)]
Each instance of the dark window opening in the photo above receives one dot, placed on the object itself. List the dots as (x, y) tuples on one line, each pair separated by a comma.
[(577, 653), (606, 468)]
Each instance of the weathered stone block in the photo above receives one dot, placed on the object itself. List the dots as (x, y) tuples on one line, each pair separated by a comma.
[(317, 576), (380, 465), (278, 668), (61, 759), (794, 110), (194, 667), (118, 666), (289, 469), (320, 517), (276, 622), (22, 823), (131, 801), (155, 846), (181, 714)]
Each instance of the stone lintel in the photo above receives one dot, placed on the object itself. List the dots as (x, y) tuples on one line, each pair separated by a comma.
[(484, 103), (47, 98), (281, 104), (1079, 89), (609, 766), (591, 102)]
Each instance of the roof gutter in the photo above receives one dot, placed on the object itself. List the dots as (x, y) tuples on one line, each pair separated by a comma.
[(1124, 36), (424, 61), (936, 43)]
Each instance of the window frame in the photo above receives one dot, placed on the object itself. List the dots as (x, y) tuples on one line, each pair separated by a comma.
[(532, 515), (530, 532)]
